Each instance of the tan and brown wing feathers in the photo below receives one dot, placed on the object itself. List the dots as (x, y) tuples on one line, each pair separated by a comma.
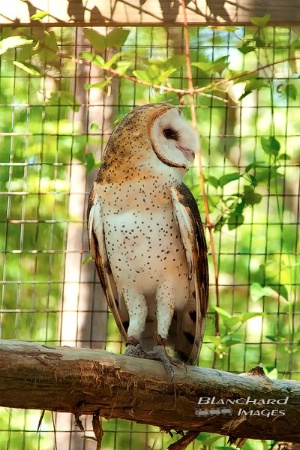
[(190, 335), (99, 254)]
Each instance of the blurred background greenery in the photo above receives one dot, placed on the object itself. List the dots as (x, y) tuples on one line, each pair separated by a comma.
[(55, 118)]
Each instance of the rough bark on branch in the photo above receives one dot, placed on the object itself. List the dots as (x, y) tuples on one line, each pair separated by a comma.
[(84, 381)]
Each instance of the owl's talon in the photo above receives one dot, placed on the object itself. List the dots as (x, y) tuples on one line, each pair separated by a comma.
[(134, 348), (135, 351), (159, 353)]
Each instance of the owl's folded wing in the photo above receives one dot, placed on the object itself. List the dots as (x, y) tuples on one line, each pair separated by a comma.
[(99, 255), (192, 234)]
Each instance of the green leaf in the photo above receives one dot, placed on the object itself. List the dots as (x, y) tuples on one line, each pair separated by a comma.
[(123, 66), (39, 16), (254, 165), (249, 315), (165, 74), (47, 48), (29, 68), (270, 271), (116, 38), (251, 197), (246, 49), (235, 221), (93, 58), (100, 85), (90, 161), (25, 53), (260, 43), (13, 42), (253, 85), (213, 200), (290, 91), (216, 340), (231, 322), (284, 157), (263, 175), (281, 290), (222, 312), (219, 223), (213, 181), (87, 260), (220, 64), (245, 77), (257, 291), (261, 21), (97, 40), (204, 66), (240, 207), (225, 179), (252, 180), (216, 66), (228, 341), (155, 62), (112, 60), (142, 75), (175, 62), (153, 72), (271, 372), (246, 46), (270, 145)]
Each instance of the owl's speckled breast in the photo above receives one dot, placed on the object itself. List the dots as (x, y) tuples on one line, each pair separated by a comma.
[(142, 237)]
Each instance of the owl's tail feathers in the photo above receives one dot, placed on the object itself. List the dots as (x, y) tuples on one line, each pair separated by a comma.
[(186, 332)]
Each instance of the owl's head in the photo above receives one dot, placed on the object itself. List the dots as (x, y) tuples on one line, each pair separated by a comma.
[(149, 132), (173, 140)]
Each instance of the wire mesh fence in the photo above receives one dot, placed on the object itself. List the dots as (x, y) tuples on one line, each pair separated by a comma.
[(53, 132)]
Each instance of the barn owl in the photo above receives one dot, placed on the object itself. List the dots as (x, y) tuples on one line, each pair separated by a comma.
[(146, 236)]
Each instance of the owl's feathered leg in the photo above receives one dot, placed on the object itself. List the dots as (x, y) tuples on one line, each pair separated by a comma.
[(165, 305), (137, 311), (164, 312)]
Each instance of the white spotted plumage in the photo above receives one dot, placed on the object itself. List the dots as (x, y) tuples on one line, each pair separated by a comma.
[(146, 235)]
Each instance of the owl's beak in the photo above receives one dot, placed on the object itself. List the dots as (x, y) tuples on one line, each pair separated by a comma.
[(188, 153)]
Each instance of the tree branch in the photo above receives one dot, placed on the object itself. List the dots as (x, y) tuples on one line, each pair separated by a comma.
[(191, 90), (85, 381)]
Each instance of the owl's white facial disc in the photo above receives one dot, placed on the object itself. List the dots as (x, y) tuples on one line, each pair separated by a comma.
[(174, 140)]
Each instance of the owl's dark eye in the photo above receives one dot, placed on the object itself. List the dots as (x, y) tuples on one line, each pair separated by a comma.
[(169, 133)]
